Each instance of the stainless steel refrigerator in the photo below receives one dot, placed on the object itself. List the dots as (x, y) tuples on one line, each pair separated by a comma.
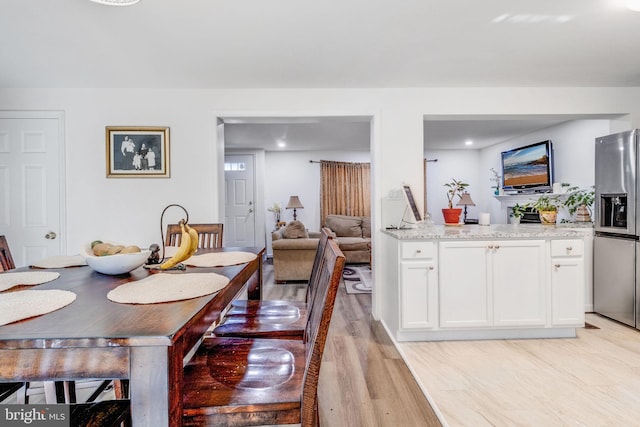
[(615, 272)]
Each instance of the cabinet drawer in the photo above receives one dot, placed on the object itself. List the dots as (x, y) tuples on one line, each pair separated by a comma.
[(567, 248), (418, 250)]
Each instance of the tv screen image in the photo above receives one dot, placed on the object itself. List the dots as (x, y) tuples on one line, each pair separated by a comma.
[(528, 167)]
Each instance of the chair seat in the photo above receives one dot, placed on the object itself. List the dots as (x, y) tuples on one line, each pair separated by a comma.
[(278, 320), (228, 377), (265, 307)]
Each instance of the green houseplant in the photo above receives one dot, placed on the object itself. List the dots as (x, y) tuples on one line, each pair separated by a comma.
[(580, 202), (547, 207), (517, 212), (454, 188)]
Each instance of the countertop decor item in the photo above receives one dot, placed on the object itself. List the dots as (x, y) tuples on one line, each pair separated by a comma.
[(454, 188), (547, 207), (465, 200)]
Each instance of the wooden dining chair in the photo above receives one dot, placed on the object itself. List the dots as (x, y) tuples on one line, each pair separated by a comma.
[(6, 261), (209, 235), (245, 381), (106, 413), (273, 318)]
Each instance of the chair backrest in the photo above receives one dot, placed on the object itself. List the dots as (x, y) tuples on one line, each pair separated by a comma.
[(209, 235), (6, 261), (318, 320), (325, 235)]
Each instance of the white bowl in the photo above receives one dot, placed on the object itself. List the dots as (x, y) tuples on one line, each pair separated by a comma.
[(114, 264)]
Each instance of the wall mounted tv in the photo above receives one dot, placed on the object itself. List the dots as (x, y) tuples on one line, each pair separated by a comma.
[(528, 168)]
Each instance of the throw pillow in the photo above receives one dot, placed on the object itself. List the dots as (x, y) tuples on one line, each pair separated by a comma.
[(295, 230)]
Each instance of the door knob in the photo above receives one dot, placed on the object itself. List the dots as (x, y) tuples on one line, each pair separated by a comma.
[(50, 235), (250, 210)]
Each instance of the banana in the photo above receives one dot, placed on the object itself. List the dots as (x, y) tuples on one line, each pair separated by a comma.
[(194, 239), (183, 251)]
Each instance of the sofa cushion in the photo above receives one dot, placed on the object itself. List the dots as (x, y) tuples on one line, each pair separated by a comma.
[(344, 226), (353, 244), (366, 226), (295, 230)]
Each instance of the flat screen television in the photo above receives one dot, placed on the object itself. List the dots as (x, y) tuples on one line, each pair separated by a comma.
[(528, 168)]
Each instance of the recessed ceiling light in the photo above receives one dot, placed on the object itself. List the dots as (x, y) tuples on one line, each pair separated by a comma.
[(468, 142), (528, 18), (633, 5), (281, 144), (116, 2)]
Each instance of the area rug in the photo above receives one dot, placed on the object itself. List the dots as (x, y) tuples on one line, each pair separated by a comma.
[(357, 279)]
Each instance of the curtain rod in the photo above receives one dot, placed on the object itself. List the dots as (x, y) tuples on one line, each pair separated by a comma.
[(428, 160)]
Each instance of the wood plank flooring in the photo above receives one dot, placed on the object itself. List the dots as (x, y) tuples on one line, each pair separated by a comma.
[(591, 380), (363, 380)]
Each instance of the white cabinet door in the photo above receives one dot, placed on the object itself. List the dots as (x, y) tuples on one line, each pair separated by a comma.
[(567, 285), (419, 299), (519, 291), (464, 284)]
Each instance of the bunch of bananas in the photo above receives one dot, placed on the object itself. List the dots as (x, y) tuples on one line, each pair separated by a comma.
[(188, 246)]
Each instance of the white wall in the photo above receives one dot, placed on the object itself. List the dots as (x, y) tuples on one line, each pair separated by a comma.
[(574, 160), (129, 209)]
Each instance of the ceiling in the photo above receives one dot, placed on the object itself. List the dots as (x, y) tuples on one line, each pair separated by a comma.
[(320, 44), (330, 44)]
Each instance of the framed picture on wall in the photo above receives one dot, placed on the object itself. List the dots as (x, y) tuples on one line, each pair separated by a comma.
[(137, 152)]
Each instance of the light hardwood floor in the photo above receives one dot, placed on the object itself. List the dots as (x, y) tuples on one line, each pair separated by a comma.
[(591, 380), (363, 380)]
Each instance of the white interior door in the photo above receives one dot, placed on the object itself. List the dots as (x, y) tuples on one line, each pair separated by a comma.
[(240, 218), (31, 187)]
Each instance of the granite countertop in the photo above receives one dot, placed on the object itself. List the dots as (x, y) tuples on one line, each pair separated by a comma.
[(495, 231)]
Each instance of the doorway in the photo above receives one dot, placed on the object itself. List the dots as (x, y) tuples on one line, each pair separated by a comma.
[(239, 204), (32, 184)]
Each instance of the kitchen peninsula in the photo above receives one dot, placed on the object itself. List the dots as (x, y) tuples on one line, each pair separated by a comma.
[(484, 282)]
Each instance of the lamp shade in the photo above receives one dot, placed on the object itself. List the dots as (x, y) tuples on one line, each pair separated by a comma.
[(465, 200), (294, 203)]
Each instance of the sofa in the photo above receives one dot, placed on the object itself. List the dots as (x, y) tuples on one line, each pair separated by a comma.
[(353, 234), (294, 247), (294, 250)]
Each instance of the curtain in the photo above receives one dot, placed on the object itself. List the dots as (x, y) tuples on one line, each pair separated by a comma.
[(345, 189)]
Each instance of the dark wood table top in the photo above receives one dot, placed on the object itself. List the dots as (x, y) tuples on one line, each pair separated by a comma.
[(92, 320)]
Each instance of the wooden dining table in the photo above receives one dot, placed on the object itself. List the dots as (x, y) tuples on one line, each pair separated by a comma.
[(96, 338)]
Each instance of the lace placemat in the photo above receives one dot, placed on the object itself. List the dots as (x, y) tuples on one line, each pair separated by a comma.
[(163, 287), (220, 259), (21, 305), (10, 279), (60, 261)]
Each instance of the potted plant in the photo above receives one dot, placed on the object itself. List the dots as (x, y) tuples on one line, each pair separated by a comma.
[(547, 207), (455, 188), (580, 202), (517, 212)]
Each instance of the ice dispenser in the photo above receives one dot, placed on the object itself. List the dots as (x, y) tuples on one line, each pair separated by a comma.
[(613, 210)]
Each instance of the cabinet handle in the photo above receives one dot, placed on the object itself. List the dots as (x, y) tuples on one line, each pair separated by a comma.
[(497, 246), (569, 248), (418, 251), (431, 268), (490, 247), (557, 265)]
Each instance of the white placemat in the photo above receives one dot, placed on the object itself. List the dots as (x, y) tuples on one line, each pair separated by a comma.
[(21, 305), (163, 287), (10, 279), (220, 259), (60, 261)]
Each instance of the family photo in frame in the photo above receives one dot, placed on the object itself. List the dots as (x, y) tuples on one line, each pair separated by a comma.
[(137, 151)]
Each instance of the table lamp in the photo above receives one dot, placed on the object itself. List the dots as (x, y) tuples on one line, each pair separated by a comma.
[(294, 203), (465, 200)]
